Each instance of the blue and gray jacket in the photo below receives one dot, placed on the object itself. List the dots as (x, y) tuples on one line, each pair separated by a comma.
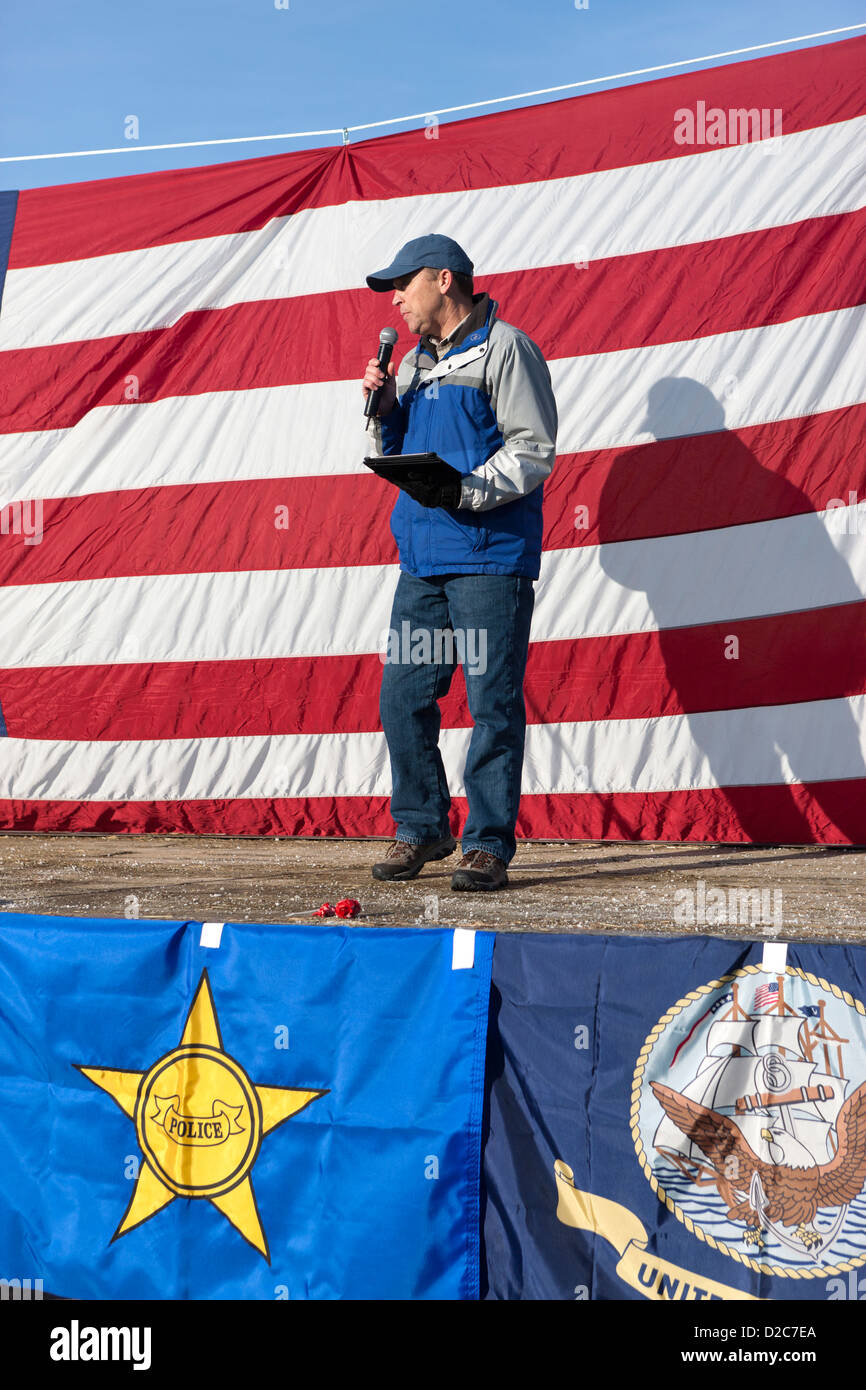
[(487, 408)]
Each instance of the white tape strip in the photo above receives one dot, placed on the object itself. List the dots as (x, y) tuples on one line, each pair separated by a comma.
[(775, 957), (211, 934), (463, 949)]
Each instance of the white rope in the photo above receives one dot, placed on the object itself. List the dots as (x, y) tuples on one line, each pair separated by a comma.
[(423, 115)]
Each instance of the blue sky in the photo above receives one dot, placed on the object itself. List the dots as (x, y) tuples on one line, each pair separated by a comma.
[(196, 69)]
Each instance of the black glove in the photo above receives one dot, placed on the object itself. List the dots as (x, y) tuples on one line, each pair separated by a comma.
[(431, 494)]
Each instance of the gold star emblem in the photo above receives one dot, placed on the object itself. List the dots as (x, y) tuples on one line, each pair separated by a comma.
[(200, 1122)]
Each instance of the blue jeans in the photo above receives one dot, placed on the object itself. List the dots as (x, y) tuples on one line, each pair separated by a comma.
[(481, 621)]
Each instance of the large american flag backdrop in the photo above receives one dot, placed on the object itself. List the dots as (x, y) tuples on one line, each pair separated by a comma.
[(197, 569)]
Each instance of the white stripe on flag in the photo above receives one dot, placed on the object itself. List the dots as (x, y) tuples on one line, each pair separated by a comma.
[(786, 565), (615, 212), (780, 371), (763, 746)]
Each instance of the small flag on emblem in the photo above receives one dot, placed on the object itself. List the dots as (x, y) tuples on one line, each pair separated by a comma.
[(766, 994)]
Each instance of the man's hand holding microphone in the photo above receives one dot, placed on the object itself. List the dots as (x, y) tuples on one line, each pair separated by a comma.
[(380, 391), (376, 380), (380, 384)]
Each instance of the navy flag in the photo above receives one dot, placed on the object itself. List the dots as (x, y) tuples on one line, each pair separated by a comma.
[(670, 1121)]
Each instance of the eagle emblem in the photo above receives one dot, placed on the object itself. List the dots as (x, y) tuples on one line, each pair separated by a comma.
[(749, 1121), (781, 1191)]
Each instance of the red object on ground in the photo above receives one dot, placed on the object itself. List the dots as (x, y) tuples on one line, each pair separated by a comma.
[(348, 907), (325, 910)]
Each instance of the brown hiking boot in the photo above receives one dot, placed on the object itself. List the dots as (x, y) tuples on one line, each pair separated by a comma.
[(478, 869), (405, 861)]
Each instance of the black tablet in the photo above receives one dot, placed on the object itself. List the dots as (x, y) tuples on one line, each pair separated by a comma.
[(402, 468)]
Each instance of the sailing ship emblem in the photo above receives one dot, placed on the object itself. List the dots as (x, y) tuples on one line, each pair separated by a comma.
[(749, 1119)]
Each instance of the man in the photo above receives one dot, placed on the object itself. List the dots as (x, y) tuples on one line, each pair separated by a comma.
[(477, 392)]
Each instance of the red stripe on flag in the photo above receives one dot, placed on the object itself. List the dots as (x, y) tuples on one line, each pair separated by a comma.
[(700, 482), (668, 487), (662, 296), (826, 812), (203, 528), (578, 135), (818, 655)]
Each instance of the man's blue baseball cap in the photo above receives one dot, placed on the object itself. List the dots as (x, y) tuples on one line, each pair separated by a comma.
[(439, 252)]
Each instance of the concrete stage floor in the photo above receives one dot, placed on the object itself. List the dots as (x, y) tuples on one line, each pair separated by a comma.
[(813, 893)]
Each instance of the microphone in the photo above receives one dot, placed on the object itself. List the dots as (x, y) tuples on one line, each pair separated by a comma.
[(387, 339)]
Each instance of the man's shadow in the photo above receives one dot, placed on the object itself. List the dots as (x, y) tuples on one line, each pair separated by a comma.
[(698, 475)]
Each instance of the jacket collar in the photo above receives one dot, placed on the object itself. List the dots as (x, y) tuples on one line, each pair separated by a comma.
[(471, 332)]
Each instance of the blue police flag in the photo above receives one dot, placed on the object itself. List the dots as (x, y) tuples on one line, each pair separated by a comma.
[(294, 1113)]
